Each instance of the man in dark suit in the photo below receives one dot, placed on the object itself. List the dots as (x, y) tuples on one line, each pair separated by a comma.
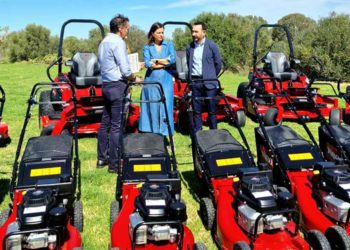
[(204, 63)]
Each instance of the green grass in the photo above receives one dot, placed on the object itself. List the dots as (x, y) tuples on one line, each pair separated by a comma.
[(98, 186)]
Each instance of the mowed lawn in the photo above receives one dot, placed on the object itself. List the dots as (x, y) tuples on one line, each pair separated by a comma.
[(98, 186)]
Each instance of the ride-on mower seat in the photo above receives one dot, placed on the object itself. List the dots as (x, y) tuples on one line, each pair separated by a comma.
[(85, 70), (283, 136), (280, 66), (181, 65)]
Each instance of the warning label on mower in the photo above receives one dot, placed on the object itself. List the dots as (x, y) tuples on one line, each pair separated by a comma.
[(45, 171), (147, 168), (300, 156), (229, 162)]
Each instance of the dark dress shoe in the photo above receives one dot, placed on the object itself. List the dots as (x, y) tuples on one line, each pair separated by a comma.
[(112, 170), (101, 163)]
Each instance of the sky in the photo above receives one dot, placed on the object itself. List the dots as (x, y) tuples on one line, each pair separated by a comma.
[(16, 14)]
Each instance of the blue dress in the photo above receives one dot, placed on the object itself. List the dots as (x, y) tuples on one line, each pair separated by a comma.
[(152, 117)]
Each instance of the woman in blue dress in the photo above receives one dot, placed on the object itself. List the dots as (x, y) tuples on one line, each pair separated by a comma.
[(158, 55)]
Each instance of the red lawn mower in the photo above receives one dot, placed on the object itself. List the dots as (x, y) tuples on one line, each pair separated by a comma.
[(276, 76), (240, 205), (4, 136), (299, 166), (86, 79), (46, 212), (180, 82), (148, 212)]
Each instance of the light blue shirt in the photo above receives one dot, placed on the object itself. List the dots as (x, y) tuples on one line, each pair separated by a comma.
[(197, 58), (113, 59)]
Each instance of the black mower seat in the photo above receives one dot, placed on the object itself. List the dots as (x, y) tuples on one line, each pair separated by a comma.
[(85, 70), (144, 144), (181, 65), (48, 147), (280, 66), (283, 136), (342, 132), (216, 140)]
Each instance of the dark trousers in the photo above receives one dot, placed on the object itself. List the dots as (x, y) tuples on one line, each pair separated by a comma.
[(110, 131), (201, 90)]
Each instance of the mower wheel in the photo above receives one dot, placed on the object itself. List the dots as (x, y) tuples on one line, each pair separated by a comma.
[(337, 237), (199, 246), (45, 108), (4, 215), (241, 118), (241, 245), (317, 240), (241, 93), (334, 117), (114, 212), (207, 212), (270, 118), (78, 216)]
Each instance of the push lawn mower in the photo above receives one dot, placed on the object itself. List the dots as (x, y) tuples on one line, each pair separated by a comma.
[(276, 76), (148, 212), (298, 165), (241, 206), (87, 82), (180, 83), (46, 212), (4, 137)]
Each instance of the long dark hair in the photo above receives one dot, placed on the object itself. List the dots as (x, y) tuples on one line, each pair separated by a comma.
[(154, 27)]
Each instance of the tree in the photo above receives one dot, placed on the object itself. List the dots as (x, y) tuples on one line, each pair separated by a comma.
[(137, 38)]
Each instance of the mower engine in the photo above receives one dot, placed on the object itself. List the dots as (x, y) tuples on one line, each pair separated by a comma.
[(42, 222), (158, 215), (332, 190), (258, 203)]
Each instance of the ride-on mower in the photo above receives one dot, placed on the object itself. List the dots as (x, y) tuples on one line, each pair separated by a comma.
[(180, 82), (319, 187), (46, 212), (148, 212), (278, 75), (86, 79), (240, 205), (4, 136)]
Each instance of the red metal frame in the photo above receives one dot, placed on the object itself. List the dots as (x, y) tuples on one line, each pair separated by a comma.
[(4, 136), (295, 90), (228, 232), (120, 236), (72, 241)]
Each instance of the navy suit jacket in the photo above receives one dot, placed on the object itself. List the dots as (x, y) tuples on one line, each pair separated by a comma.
[(211, 61)]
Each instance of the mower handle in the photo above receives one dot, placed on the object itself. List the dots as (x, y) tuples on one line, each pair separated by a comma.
[(60, 44), (2, 100), (188, 25)]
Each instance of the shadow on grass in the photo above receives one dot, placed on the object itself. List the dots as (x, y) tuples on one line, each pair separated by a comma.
[(193, 185), (4, 188)]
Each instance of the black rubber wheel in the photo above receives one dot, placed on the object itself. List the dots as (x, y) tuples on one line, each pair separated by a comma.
[(78, 216), (317, 240), (113, 213), (270, 118), (207, 212), (4, 215), (47, 108), (241, 118), (199, 246), (241, 245), (334, 117), (241, 93), (337, 237)]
